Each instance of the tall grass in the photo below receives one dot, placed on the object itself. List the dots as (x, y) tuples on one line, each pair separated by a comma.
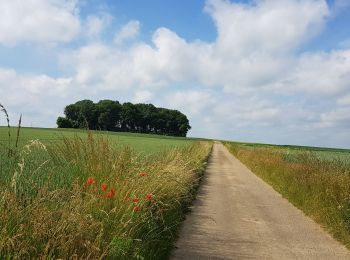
[(319, 187), (89, 198)]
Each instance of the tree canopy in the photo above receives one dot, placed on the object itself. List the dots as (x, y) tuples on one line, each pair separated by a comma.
[(127, 117)]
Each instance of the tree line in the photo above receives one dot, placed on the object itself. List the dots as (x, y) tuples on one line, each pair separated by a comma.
[(127, 117)]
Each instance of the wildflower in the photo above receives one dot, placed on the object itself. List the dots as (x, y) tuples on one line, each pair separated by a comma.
[(136, 200), (136, 209), (149, 196), (90, 180), (110, 194), (113, 191), (142, 174), (104, 187)]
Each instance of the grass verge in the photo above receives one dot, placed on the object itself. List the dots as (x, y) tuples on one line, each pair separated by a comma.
[(88, 198), (317, 186)]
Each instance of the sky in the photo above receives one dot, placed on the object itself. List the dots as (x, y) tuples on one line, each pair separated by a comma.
[(260, 71)]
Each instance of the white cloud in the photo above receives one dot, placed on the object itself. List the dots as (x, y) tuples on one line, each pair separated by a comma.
[(128, 32), (193, 102), (255, 82), (247, 110), (142, 96), (323, 73), (111, 68), (266, 26), (95, 25), (344, 100), (256, 42), (337, 117), (39, 97), (38, 21), (255, 47), (30, 86), (253, 58)]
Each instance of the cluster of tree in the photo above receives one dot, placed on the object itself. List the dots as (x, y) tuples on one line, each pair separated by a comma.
[(112, 116)]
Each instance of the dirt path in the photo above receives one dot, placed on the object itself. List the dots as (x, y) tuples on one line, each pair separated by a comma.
[(238, 216)]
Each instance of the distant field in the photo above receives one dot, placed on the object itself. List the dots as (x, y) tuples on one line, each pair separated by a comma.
[(140, 142), (294, 151)]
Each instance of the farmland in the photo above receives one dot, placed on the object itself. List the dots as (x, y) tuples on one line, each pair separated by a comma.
[(316, 180), (323, 153), (81, 194), (141, 142), (94, 194)]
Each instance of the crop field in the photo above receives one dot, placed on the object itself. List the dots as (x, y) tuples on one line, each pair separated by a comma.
[(323, 153), (147, 143), (77, 194), (316, 180)]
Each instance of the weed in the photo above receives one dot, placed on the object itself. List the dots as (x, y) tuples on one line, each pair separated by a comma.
[(90, 198)]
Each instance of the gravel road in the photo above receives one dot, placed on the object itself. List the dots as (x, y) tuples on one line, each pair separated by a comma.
[(238, 216)]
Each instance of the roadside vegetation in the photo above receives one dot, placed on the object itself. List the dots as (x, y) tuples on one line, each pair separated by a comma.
[(315, 180), (88, 197)]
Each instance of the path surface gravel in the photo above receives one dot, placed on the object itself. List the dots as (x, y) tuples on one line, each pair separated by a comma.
[(238, 216)]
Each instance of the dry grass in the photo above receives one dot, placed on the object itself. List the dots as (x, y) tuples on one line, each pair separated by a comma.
[(130, 208), (319, 187)]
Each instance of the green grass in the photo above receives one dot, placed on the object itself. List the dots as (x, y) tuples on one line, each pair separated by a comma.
[(316, 180), (48, 210), (146, 143), (323, 153)]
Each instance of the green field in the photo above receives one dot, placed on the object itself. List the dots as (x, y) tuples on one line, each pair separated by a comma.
[(293, 152), (146, 143), (94, 195)]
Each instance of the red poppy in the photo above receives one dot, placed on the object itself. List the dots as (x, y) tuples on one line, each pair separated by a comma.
[(90, 180), (136, 200), (113, 191), (110, 194), (137, 208), (104, 187), (149, 196), (142, 174)]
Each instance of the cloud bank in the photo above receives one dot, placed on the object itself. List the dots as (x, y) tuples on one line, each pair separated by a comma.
[(254, 82), (38, 21)]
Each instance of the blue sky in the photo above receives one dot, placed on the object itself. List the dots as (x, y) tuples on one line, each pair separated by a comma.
[(182, 16), (261, 71)]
